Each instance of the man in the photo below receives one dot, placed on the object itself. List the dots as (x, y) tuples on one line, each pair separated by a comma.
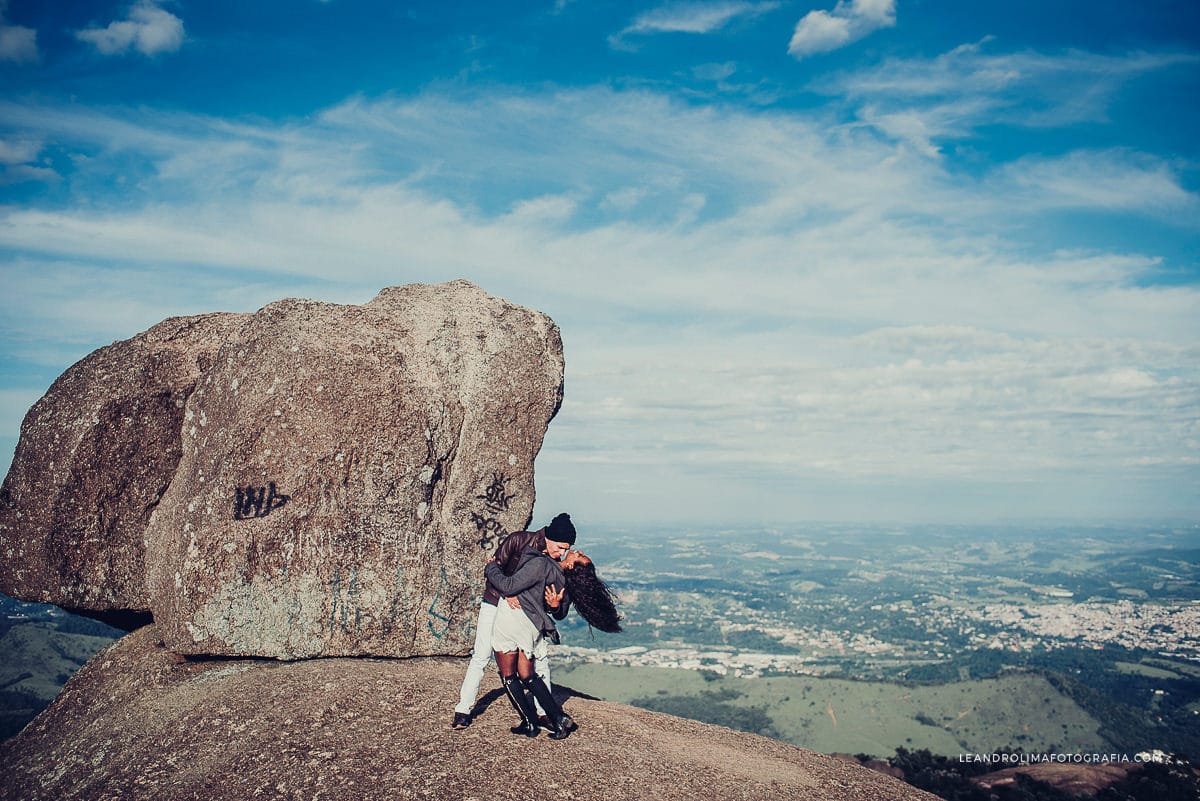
[(560, 537)]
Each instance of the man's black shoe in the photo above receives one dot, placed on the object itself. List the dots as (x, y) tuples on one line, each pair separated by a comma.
[(461, 721)]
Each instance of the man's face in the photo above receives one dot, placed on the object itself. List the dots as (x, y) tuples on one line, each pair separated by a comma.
[(556, 550)]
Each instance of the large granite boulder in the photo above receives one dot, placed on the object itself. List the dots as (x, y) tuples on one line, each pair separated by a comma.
[(346, 470), (96, 453), (139, 722)]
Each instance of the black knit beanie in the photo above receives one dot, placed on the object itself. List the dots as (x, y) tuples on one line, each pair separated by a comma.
[(561, 529)]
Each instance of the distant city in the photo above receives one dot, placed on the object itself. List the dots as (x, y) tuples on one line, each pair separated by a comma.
[(869, 602), (1169, 630)]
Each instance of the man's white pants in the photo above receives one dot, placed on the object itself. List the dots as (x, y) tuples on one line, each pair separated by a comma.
[(481, 654)]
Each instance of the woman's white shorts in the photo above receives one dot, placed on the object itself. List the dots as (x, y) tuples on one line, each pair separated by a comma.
[(514, 631)]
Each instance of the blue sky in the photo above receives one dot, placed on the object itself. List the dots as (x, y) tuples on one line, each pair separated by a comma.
[(858, 261)]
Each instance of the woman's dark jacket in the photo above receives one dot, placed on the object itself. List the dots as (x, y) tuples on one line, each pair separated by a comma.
[(535, 571), (508, 555)]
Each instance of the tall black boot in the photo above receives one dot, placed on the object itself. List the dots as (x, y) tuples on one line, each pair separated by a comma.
[(522, 703), (558, 721)]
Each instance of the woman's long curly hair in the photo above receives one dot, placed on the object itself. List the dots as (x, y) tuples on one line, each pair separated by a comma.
[(592, 597)]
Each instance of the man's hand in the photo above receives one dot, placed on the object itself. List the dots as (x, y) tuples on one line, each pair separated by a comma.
[(553, 597), (513, 603)]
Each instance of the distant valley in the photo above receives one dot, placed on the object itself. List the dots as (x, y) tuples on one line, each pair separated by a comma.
[(954, 639), (40, 648), (852, 639)]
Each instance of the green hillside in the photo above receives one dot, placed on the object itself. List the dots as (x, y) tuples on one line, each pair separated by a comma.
[(835, 715), (37, 660)]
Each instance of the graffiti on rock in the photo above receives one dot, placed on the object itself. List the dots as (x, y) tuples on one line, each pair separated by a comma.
[(251, 502), (496, 498)]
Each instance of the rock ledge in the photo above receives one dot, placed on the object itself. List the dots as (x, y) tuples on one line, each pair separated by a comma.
[(140, 722)]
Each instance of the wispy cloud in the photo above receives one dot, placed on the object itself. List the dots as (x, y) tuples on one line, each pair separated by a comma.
[(970, 68), (822, 31), (18, 151), (1113, 180), (148, 28), (811, 300), (17, 43), (925, 101), (767, 186), (19, 162), (693, 17)]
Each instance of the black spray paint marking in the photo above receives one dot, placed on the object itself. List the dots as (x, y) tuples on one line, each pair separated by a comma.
[(496, 498), (250, 502), (490, 530)]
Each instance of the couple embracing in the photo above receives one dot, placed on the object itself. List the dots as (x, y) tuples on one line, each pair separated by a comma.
[(532, 580)]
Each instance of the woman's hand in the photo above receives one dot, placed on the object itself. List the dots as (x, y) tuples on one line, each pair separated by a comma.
[(553, 597)]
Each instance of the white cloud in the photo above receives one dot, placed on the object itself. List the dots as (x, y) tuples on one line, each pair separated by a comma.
[(19, 151), (549, 209), (801, 201), (926, 101), (715, 72), (822, 31), (1113, 180), (970, 69), (695, 17), (919, 129), (626, 199), (819, 32), (938, 402), (18, 162), (20, 173), (148, 29), (746, 297), (17, 43)]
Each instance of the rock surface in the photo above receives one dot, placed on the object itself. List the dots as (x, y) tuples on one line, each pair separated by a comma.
[(346, 470), (139, 722), (95, 454)]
